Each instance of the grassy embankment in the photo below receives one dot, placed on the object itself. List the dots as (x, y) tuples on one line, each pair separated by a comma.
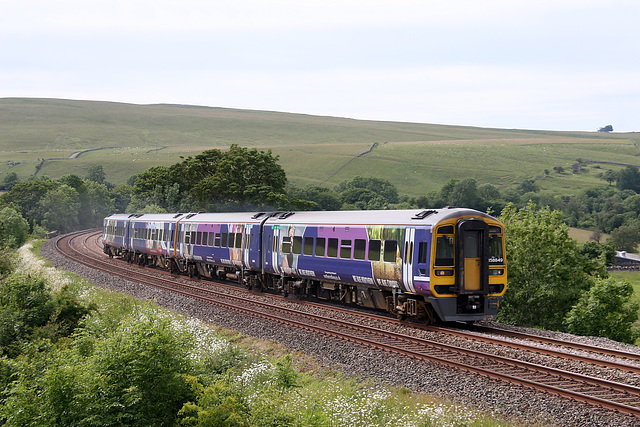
[(313, 150)]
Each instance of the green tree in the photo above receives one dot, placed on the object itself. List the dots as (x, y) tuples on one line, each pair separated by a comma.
[(324, 198), (97, 203), (25, 304), (96, 174), (26, 198), (375, 187), (121, 196), (62, 209), (606, 310), (625, 238), (14, 229), (629, 179), (9, 181), (236, 178), (547, 271)]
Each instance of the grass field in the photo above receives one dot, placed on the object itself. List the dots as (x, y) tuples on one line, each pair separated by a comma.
[(313, 150)]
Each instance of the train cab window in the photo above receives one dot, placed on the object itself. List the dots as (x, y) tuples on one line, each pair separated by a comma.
[(495, 250), (359, 248), (308, 246), (345, 249), (320, 246), (332, 249), (374, 250), (297, 245), (390, 250), (444, 251), (286, 245)]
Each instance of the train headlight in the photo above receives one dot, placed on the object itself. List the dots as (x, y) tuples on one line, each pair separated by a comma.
[(441, 273), (496, 272)]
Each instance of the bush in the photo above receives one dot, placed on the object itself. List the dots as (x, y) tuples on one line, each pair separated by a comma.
[(606, 310)]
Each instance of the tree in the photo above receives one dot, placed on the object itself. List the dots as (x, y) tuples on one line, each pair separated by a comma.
[(9, 181), (237, 178), (375, 186), (606, 310), (14, 229), (462, 193), (96, 174), (607, 128), (547, 272), (62, 208), (324, 198), (25, 304), (629, 178), (625, 238), (97, 204), (609, 176), (26, 198)]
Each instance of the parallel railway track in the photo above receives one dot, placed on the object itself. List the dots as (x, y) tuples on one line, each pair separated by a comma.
[(618, 396)]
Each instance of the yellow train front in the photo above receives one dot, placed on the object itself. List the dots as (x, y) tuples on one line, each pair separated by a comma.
[(468, 267)]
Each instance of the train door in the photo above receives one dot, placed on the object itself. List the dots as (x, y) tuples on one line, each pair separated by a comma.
[(407, 259), (472, 254)]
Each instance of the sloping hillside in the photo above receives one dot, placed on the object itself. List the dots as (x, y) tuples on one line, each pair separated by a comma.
[(41, 136)]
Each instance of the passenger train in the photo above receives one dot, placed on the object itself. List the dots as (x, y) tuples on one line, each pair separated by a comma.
[(430, 265)]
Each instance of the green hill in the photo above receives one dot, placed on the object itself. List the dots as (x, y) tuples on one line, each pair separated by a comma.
[(41, 136)]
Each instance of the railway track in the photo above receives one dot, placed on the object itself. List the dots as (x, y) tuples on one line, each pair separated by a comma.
[(619, 396)]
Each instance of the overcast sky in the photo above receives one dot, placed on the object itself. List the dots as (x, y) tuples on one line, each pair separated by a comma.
[(531, 64)]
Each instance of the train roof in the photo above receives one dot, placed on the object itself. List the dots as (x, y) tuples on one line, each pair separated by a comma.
[(376, 217), (371, 217)]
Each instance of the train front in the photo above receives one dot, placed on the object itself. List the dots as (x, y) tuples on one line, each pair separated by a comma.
[(468, 267)]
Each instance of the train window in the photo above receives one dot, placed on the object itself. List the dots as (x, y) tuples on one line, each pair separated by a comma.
[(297, 245), (286, 245), (193, 237), (422, 253), (447, 229), (320, 244), (444, 250), (359, 248), (199, 238), (495, 250), (223, 241), (238, 240), (390, 250), (211, 237), (308, 246), (374, 249), (332, 249), (471, 245), (345, 249), (187, 238)]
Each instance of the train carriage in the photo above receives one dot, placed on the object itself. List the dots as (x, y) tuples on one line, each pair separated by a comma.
[(225, 245)]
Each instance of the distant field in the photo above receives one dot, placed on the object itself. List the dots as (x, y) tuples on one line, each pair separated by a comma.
[(313, 150)]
